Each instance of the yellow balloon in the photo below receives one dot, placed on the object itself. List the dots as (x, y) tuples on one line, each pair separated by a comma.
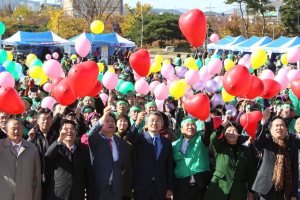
[(44, 78), (101, 67), (155, 67), (149, 72), (194, 66), (177, 89), (284, 59), (158, 58), (36, 72), (30, 57), (226, 97), (73, 56), (228, 64), (10, 56), (97, 27), (166, 62), (189, 62), (111, 70), (258, 58), (183, 81)]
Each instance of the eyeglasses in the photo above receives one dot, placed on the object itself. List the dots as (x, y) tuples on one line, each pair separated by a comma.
[(155, 121), (69, 129)]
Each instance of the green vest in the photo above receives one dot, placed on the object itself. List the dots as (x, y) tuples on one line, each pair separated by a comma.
[(296, 102), (141, 125), (177, 61), (196, 159)]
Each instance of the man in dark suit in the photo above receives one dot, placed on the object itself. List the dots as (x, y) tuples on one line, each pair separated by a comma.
[(4, 117), (108, 158), (72, 167), (154, 173), (277, 178)]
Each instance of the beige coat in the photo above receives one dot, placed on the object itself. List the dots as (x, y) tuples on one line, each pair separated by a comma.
[(19, 174)]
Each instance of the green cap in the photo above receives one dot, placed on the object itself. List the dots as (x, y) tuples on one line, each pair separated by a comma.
[(131, 92), (133, 108), (186, 121), (151, 103), (123, 102), (89, 98)]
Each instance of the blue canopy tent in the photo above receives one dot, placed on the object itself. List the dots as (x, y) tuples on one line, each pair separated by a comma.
[(252, 44), (281, 45), (111, 41), (226, 43)]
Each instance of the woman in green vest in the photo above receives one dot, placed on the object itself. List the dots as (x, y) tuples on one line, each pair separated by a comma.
[(233, 165)]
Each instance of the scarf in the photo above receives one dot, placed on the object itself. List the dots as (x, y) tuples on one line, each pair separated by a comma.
[(282, 175), (122, 135), (165, 133)]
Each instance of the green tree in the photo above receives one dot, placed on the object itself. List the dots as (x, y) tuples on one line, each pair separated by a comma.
[(23, 11), (290, 15)]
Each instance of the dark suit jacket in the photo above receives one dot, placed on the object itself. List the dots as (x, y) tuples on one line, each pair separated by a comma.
[(263, 182), (2, 134), (147, 167), (72, 173), (102, 160)]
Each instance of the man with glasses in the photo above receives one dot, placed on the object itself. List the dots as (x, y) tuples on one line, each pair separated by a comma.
[(153, 175), (4, 117)]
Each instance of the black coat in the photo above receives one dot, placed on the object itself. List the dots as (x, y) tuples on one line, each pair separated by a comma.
[(2, 134), (72, 174)]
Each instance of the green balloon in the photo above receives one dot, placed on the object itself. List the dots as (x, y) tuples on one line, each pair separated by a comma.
[(36, 62), (251, 70), (125, 87), (100, 76), (120, 81), (215, 56), (199, 63), (37, 81), (15, 75), (2, 28), (10, 66), (3, 56)]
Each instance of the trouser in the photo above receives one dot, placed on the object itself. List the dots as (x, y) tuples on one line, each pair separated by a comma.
[(273, 195), (194, 193), (106, 194), (149, 194)]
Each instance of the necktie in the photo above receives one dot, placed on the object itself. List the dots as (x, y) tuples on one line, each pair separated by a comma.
[(155, 147), (70, 148), (16, 149), (110, 140)]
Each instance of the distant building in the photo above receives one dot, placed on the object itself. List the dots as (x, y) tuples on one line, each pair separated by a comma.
[(69, 10), (32, 5)]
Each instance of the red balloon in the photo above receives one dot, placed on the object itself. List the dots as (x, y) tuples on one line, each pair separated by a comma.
[(272, 87), (295, 86), (96, 89), (82, 78), (257, 87), (140, 62), (217, 121), (55, 82), (64, 94), (249, 122), (193, 25), (10, 101), (237, 80), (198, 105)]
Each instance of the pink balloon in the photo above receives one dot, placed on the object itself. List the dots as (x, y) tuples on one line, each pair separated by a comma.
[(293, 54), (188, 92), (204, 75), (214, 66), (199, 85), (214, 38), (160, 104), (138, 78), (52, 69), (283, 71), (110, 80), (141, 87), (283, 80), (293, 74), (78, 60), (83, 47), (219, 80), (246, 62), (135, 74), (192, 77), (48, 102), (152, 61), (217, 100), (6, 79), (174, 78), (267, 74), (232, 108), (63, 74), (47, 87), (55, 55), (161, 91), (153, 85), (104, 98), (167, 70), (247, 56), (48, 57)]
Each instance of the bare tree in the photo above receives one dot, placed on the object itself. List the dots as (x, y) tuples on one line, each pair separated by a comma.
[(96, 9)]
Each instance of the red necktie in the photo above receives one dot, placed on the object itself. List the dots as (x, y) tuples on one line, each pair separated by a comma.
[(110, 140), (16, 149), (70, 148)]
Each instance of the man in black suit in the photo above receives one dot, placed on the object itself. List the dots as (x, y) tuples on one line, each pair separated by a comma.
[(4, 117), (154, 172), (277, 178), (71, 167)]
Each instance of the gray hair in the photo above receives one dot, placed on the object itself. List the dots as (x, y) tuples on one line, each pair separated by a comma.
[(154, 113), (13, 119)]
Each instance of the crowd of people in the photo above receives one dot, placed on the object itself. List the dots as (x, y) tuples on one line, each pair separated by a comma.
[(128, 148)]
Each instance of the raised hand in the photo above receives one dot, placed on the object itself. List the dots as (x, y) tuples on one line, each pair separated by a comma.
[(140, 118), (62, 135)]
